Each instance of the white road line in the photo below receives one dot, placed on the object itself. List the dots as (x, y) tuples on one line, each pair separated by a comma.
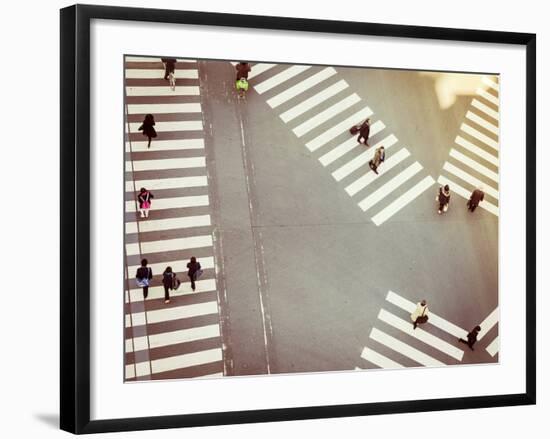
[(404, 349), (192, 107), (474, 165), (163, 91), (178, 266), (179, 312), (160, 164), (168, 183), (156, 293), (168, 224), (476, 150), (379, 359), (479, 136), (166, 245), (490, 83), (186, 360), (493, 347), (325, 115), (449, 167), (338, 129), (390, 186), (402, 201), (464, 193), (258, 69), (301, 87), (488, 323), (279, 78), (354, 164), (151, 59), (363, 181), (172, 338), (487, 96), (421, 335), (166, 145), (348, 145), (313, 101), (159, 73), (173, 203), (183, 125), (482, 122), (482, 107), (434, 319), (129, 372)]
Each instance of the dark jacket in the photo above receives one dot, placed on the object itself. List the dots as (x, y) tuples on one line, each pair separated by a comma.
[(170, 64), (364, 130), (476, 197), (144, 273), (143, 197), (168, 279), (193, 267), (242, 70), (443, 197), (148, 126)]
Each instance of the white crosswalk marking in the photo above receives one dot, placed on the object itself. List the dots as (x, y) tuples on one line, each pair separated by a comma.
[(172, 338), (404, 349), (479, 136), (487, 96), (403, 200), (169, 245), (156, 165), (155, 293), (190, 90), (476, 150), (486, 109), (167, 183), (129, 59), (493, 347), (168, 224), (258, 69), (313, 101), (159, 73), (279, 78), (379, 359), (186, 360), (490, 83), (482, 122), (449, 167), (177, 312), (193, 107), (184, 125), (488, 323), (301, 87), (474, 165), (459, 190), (173, 203), (166, 145)]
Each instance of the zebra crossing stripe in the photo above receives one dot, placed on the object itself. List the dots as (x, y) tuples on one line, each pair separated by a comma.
[(159, 73), (161, 164), (493, 347), (313, 101), (155, 293), (390, 186), (338, 129), (482, 122), (490, 83), (151, 59), (363, 158), (487, 96), (177, 312), (301, 87), (379, 359), (167, 245), (363, 181), (325, 115), (348, 145), (476, 150), (178, 266), (449, 167), (482, 107), (168, 224), (137, 370), (183, 125), (165, 145), (171, 338), (421, 335), (404, 349), (186, 360), (168, 183), (171, 203), (189, 90), (488, 323), (258, 69), (279, 78), (190, 107), (479, 136), (459, 190), (474, 165)]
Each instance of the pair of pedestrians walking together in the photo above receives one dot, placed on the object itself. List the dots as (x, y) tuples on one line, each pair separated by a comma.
[(364, 130), (444, 197)]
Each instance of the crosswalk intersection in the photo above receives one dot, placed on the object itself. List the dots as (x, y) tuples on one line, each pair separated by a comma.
[(180, 339)]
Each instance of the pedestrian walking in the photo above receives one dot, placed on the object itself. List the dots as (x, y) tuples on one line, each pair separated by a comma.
[(144, 274), (443, 197), (472, 337), (194, 271), (364, 131), (243, 69), (169, 66), (144, 200), (148, 128), (477, 197), (420, 314), (379, 157), (169, 282)]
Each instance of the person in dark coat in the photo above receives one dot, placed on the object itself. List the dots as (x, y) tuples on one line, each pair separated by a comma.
[(379, 157), (144, 199), (472, 337), (148, 128), (194, 271), (168, 279), (144, 274), (364, 131), (169, 66), (443, 198), (477, 197), (243, 68)]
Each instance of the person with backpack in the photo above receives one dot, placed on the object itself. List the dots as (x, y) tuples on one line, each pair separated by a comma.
[(144, 274), (169, 282), (194, 271), (148, 128), (420, 314), (144, 200)]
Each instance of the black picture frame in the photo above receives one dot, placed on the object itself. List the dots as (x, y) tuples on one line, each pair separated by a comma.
[(75, 217)]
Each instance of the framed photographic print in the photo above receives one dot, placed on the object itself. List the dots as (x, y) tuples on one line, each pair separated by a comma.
[(284, 218)]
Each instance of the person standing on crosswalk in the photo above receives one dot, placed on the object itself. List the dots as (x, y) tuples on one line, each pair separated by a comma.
[(144, 274), (148, 128), (443, 198), (193, 271), (144, 200), (472, 337), (379, 157), (477, 197), (420, 314)]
